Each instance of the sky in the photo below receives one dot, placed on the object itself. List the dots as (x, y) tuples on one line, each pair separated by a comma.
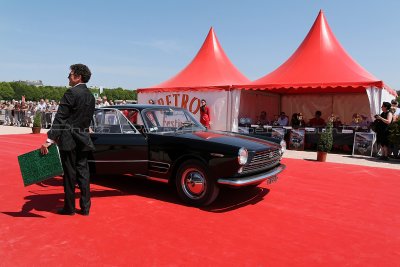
[(136, 44)]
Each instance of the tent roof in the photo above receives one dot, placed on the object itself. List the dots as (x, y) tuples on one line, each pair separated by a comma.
[(320, 64), (210, 69)]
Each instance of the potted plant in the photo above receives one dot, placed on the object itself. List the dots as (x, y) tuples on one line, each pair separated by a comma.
[(37, 123), (325, 143), (394, 133)]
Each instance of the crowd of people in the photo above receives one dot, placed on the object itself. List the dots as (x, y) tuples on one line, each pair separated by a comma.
[(297, 120), (390, 114), (21, 113)]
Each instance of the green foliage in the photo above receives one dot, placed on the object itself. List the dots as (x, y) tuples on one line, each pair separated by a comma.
[(119, 94), (37, 119), (6, 91), (394, 133), (15, 90), (325, 141)]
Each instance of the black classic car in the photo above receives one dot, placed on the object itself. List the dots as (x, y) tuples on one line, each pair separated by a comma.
[(167, 144)]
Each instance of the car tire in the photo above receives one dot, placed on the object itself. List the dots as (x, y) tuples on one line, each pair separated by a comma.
[(194, 184)]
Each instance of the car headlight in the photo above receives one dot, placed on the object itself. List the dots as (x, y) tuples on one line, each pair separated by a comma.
[(242, 156), (283, 146)]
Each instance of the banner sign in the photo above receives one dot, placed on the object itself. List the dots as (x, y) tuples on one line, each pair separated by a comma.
[(222, 114), (363, 143), (296, 139)]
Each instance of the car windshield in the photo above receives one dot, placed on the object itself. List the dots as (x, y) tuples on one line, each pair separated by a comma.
[(169, 119)]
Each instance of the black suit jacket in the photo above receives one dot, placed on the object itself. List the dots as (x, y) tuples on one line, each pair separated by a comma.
[(70, 127)]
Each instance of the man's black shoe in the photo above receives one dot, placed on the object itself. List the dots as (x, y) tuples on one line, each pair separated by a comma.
[(65, 212), (84, 212)]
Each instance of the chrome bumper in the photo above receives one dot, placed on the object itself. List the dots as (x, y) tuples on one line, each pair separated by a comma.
[(254, 179)]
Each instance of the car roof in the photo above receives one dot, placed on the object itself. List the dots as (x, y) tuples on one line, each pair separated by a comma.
[(139, 106)]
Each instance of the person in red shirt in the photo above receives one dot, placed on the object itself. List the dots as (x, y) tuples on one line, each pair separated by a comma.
[(205, 114), (317, 121)]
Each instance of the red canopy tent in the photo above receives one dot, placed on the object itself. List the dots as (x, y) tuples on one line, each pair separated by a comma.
[(209, 76), (210, 69), (321, 67)]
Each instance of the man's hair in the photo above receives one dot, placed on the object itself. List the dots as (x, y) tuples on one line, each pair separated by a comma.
[(394, 102), (83, 70), (319, 113)]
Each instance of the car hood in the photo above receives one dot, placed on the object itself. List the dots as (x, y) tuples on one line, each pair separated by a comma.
[(232, 139)]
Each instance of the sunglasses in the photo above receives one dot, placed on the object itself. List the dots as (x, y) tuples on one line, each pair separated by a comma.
[(70, 75)]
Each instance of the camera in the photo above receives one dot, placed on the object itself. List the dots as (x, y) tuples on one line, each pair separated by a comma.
[(376, 116)]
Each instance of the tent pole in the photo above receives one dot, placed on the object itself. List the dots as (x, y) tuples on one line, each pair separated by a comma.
[(228, 111)]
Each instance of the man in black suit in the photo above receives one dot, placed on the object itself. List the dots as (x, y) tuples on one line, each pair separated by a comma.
[(70, 130)]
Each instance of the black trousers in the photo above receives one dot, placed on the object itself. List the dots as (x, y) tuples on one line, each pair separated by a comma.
[(76, 171)]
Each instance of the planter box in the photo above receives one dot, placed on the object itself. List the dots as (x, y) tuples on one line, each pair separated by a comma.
[(321, 156), (36, 130)]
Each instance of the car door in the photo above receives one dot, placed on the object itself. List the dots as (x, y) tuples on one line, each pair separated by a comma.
[(120, 147)]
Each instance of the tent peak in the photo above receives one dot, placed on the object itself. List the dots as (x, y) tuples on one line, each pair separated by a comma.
[(319, 60), (210, 67)]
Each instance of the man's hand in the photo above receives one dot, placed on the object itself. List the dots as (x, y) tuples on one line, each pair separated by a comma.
[(44, 148)]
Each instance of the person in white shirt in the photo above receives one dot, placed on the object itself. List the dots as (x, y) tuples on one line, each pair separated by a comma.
[(283, 120), (105, 102), (395, 110), (42, 105), (98, 102)]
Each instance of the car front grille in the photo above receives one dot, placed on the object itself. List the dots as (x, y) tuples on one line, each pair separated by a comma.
[(262, 161)]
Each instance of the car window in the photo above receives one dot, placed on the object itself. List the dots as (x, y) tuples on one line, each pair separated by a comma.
[(159, 120), (134, 118), (112, 121), (126, 125)]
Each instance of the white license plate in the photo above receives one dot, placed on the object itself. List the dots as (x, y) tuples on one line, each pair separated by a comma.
[(271, 179)]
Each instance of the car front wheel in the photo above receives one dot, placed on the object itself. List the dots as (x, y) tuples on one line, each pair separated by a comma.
[(194, 184)]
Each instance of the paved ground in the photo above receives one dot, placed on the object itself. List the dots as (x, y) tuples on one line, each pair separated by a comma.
[(345, 159), (17, 130), (306, 155)]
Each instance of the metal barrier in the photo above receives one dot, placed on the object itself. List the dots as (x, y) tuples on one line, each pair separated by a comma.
[(2, 116)]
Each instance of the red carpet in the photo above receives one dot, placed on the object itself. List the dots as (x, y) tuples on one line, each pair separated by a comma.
[(317, 214)]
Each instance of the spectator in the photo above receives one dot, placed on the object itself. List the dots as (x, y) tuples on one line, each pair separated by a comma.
[(205, 114), (395, 110), (382, 134), (365, 122), (297, 120), (104, 103), (98, 102), (394, 148), (283, 120), (262, 119), (317, 121)]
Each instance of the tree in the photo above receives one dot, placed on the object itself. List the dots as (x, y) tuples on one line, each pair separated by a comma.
[(6, 91), (326, 139)]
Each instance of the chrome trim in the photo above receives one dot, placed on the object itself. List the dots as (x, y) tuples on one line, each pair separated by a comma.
[(163, 172), (154, 178), (117, 161), (101, 161), (217, 155), (254, 179)]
